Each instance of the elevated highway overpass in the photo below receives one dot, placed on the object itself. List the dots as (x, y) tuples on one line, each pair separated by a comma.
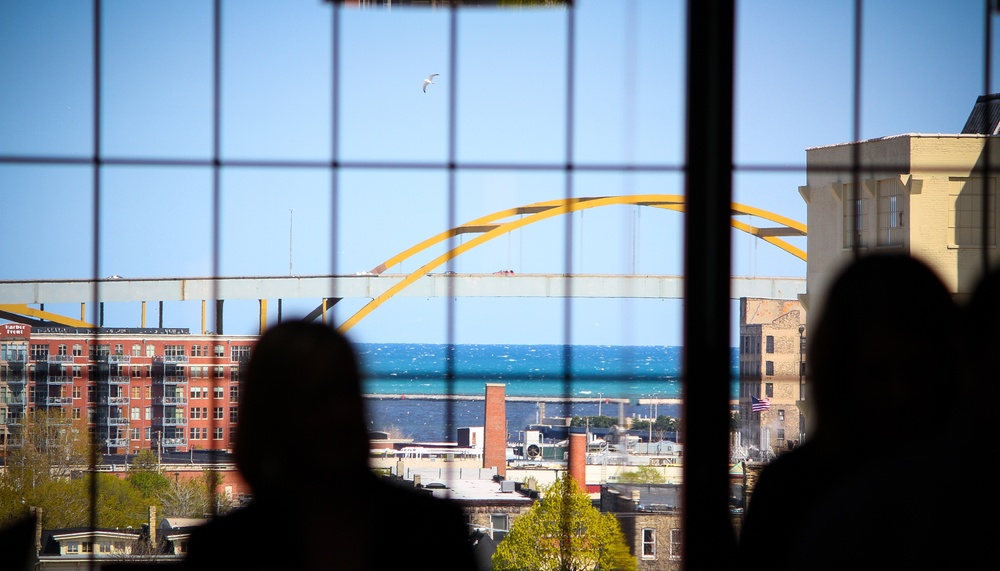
[(24, 300)]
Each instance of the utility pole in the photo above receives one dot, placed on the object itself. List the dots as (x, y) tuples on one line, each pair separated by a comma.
[(291, 212)]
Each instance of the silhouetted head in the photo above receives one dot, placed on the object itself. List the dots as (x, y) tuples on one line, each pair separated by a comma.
[(301, 409), (883, 350)]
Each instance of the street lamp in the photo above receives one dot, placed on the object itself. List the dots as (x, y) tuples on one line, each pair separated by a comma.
[(802, 343), (802, 386)]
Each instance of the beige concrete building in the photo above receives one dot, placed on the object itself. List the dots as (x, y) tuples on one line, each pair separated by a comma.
[(771, 369), (913, 193)]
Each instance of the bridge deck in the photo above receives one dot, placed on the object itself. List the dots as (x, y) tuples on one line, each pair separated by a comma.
[(434, 285)]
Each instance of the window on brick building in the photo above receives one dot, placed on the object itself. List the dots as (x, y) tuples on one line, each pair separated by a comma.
[(769, 344), (648, 543), (217, 433), (240, 353), (769, 368), (769, 390), (499, 522), (675, 544)]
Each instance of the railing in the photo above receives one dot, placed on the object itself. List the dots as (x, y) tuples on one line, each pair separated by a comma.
[(175, 359), (119, 400), (175, 421), (117, 442), (174, 441), (61, 358), (119, 359), (175, 380), (119, 380), (16, 400), (58, 380), (170, 400), (113, 421), (58, 401)]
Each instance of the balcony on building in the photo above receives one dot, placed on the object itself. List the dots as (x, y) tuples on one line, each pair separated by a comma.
[(16, 399), (171, 400), (60, 359), (173, 421), (119, 359), (58, 401), (57, 380), (172, 441), (175, 380), (113, 421)]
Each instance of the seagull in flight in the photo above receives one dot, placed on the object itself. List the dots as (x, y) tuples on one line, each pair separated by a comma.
[(429, 80)]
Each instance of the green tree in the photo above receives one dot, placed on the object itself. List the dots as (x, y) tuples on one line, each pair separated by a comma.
[(564, 532), (144, 476), (602, 421), (48, 455), (643, 475)]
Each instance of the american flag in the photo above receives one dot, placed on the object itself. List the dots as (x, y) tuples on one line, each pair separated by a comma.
[(757, 405)]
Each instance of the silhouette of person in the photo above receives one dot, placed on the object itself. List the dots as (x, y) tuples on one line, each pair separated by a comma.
[(878, 357), (939, 516), (302, 446)]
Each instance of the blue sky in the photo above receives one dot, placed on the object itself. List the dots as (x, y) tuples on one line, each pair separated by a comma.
[(922, 69)]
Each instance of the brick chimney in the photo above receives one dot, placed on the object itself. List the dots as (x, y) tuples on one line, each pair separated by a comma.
[(578, 458), (495, 437)]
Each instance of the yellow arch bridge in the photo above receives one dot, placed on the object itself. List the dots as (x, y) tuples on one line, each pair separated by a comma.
[(17, 295)]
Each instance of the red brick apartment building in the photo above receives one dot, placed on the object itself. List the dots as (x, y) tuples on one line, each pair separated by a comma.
[(160, 389)]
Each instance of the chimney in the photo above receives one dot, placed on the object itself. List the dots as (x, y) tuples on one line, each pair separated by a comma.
[(578, 458), (152, 527), (495, 437), (37, 514)]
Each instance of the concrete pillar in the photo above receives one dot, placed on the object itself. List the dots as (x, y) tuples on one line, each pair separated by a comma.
[(495, 437), (152, 526)]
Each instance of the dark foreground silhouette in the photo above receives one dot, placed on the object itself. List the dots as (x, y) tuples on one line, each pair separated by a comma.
[(316, 505), (881, 356), (931, 504)]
